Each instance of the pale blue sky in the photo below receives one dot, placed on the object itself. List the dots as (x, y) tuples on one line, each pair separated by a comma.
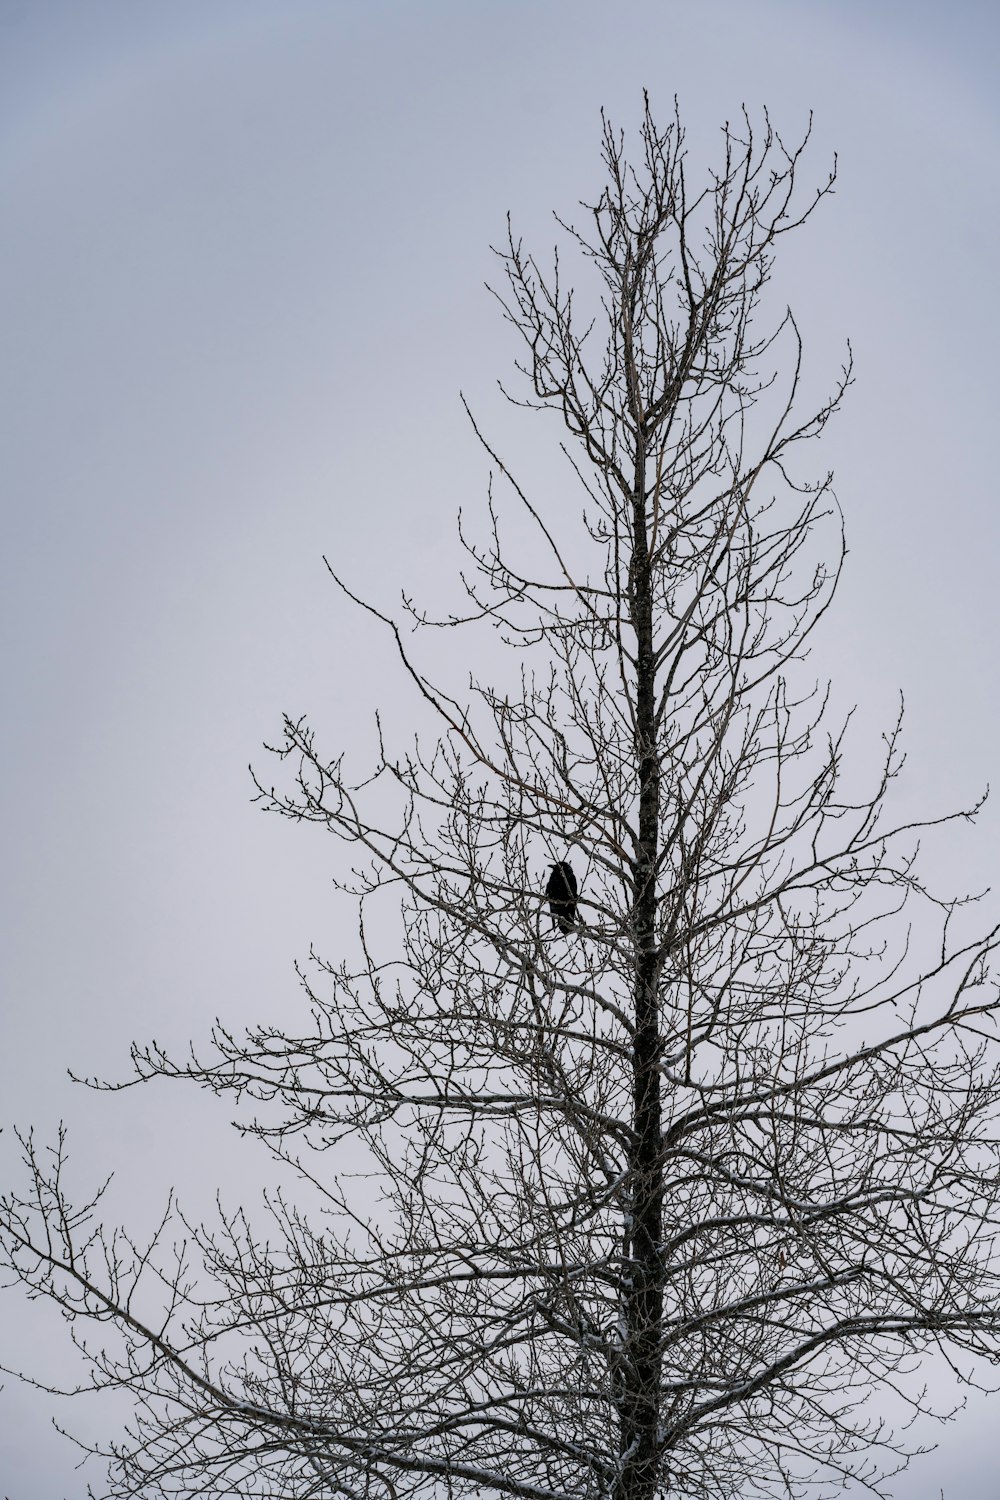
[(240, 288)]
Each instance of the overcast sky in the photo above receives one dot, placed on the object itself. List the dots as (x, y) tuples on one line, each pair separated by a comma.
[(242, 283)]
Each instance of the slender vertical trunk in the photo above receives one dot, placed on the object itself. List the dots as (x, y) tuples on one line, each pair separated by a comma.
[(643, 1310)]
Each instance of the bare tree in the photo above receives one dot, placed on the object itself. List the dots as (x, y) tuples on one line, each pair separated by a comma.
[(670, 1183)]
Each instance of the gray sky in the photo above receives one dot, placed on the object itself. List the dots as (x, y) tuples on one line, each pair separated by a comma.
[(240, 288)]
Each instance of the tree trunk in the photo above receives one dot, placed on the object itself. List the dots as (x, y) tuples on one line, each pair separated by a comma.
[(644, 1276)]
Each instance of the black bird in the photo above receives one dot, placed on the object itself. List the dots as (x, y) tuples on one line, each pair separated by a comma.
[(561, 891)]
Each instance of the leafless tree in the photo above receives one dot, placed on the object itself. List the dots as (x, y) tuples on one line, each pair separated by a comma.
[(662, 1196)]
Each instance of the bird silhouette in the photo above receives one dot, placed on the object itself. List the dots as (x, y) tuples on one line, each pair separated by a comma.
[(561, 892)]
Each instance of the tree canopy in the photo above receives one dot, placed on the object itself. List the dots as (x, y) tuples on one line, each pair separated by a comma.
[(663, 1197)]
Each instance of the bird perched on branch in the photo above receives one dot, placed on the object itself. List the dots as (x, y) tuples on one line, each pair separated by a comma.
[(561, 892)]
